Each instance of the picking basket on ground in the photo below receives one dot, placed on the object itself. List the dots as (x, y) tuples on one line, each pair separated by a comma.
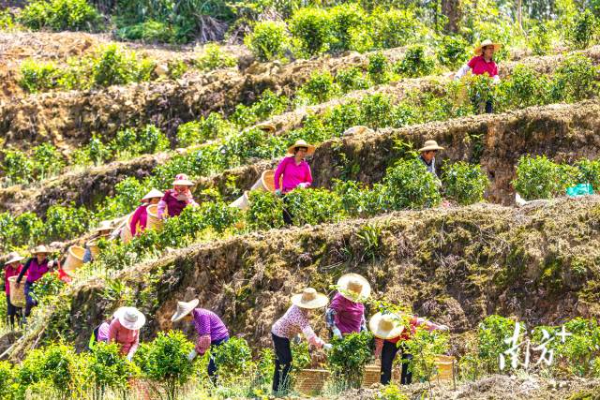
[(311, 381)]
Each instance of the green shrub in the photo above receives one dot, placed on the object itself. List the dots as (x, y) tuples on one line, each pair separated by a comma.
[(268, 40), (379, 68), (269, 104), (415, 63), (540, 178), (311, 27), (376, 110), (348, 358), (393, 28), (584, 30), (47, 287), (425, 346), (18, 167), (47, 161), (589, 172), (351, 79), (524, 88), (7, 23), (344, 19), (213, 57), (196, 132), (28, 229), (7, 386), (218, 215), (409, 185), (38, 77), (391, 392), (465, 183), (114, 66), (539, 40), (452, 51), (60, 15), (481, 89), (233, 358), (108, 369), (314, 206), (151, 140), (165, 361), (336, 120), (60, 366), (149, 31), (319, 88), (97, 151), (66, 222), (491, 336), (266, 210), (574, 80)]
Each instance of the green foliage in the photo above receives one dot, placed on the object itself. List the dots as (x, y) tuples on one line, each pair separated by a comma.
[(540, 40), (540, 178), (266, 210), (584, 29), (65, 222), (165, 361), (351, 79), (149, 31), (525, 88), (393, 28), (424, 347), (379, 68), (349, 356), (481, 89), (452, 51), (213, 57), (574, 80), (314, 206), (345, 18), (113, 66), (491, 335), (36, 76), (96, 151), (7, 23), (18, 167), (60, 15), (415, 63), (268, 40), (376, 110), (108, 369), (465, 183), (233, 358), (311, 27), (47, 161), (409, 185), (196, 132), (319, 88), (391, 392), (46, 287), (151, 140), (589, 172)]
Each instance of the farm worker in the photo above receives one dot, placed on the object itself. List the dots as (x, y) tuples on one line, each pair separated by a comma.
[(483, 63), (12, 267), (346, 313), (428, 153), (295, 172), (140, 216), (390, 335), (35, 267), (294, 321), (103, 230), (124, 330), (178, 198), (211, 330)]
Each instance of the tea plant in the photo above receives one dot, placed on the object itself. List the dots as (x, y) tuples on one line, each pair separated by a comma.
[(379, 68), (589, 172), (108, 369), (233, 357), (391, 392), (37, 76), (425, 346), (266, 211), (311, 27), (491, 335), (319, 88), (465, 183), (18, 167), (62, 222), (409, 185), (350, 79), (213, 57), (415, 63), (345, 19), (452, 51), (47, 161), (46, 287), (6, 380), (525, 88), (574, 80), (348, 358), (393, 27), (60, 15), (540, 178), (268, 40), (313, 206), (584, 29)]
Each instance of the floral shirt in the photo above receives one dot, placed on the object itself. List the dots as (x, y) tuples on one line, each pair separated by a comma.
[(294, 322)]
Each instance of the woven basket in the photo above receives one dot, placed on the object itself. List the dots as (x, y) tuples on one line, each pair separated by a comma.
[(445, 367), (311, 381), (126, 235), (243, 202), (17, 296), (94, 249), (153, 222), (74, 259), (371, 375)]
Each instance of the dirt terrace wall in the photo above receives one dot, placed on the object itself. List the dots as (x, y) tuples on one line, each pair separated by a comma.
[(458, 265)]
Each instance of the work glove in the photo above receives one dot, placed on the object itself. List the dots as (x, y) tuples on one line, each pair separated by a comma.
[(129, 357), (278, 193), (303, 185), (336, 332), (297, 339), (328, 346), (192, 355)]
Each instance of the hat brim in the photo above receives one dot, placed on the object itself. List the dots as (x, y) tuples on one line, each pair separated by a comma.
[(430, 148), (384, 334), (182, 182), (479, 49), (309, 152), (14, 260), (320, 301), (342, 284), (179, 316), (135, 326)]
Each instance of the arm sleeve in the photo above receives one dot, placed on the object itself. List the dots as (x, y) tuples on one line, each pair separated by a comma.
[(135, 219), (112, 331), (162, 205), (430, 326), (279, 172), (462, 71), (330, 317), (309, 177), (378, 347), (203, 344), (24, 270), (135, 344)]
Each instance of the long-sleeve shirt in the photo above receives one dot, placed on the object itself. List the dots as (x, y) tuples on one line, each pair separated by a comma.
[(210, 328), (127, 338), (173, 206), (34, 270), (414, 323), (479, 66), (346, 315), (293, 174), (139, 218), (430, 167), (294, 322), (9, 272)]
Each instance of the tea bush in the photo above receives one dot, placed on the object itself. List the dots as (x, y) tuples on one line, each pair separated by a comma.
[(540, 178), (465, 183), (391, 392), (268, 40), (148, 31), (7, 22), (47, 161), (7, 388), (108, 369), (37, 76), (348, 358), (344, 19), (313, 206), (589, 172), (376, 110), (351, 79), (574, 80), (319, 88), (233, 357), (266, 211), (409, 185), (525, 88), (480, 89), (425, 346), (213, 57), (60, 15), (491, 335), (584, 30), (379, 68), (18, 167), (393, 28), (47, 287), (311, 27), (415, 63), (452, 51), (65, 222), (196, 132)]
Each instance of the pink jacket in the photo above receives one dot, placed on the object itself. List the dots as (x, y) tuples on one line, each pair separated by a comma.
[(293, 174), (140, 216), (128, 339)]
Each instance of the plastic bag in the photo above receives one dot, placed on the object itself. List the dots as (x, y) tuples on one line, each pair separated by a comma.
[(581, 189)]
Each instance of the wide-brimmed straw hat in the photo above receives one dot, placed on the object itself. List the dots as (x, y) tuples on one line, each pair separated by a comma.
[(153, 194), (310, 149), (309, 298), (130, 318), (13, 257), (354, 287), (104, 226), (41, 249), (182, 180), (386, 326), (430, 145), (485, 43), (183, 309)]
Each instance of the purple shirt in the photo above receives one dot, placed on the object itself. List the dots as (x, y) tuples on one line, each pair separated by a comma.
[(174, 206), (209, 323), (349, 315), (36, 271), (293, 174)]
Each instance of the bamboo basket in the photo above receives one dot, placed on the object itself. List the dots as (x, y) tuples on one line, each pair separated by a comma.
[(243, 202), (372, 374), (311, 381), (126, 235), (17, 297), (153, 222), (266, 182), (74, 259), (445, 367)]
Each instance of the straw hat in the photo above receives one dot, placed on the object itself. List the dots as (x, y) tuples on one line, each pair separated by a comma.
[(485, 43), (130, 318), (302, 143), (183, 309), (41, 250), (13, 257), (104, 226), (183, 180), (153, 194), (430, 145), (354, 287), (385, 326), (309, 298)]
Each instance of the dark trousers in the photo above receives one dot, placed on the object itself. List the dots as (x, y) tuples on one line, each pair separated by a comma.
[(283, 365), (489, 109), (287, 216), (12, 312), (29, 302), (212, 365), (388, 353)]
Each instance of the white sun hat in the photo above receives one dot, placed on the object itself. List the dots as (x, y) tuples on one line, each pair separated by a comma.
[(130, 318), (354, 287), (153, 194), (386, 326), (310, 299), (182, 180), (13, 257), (183, 309)]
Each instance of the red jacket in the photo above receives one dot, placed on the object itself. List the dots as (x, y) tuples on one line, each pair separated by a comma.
[(8, 272)]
